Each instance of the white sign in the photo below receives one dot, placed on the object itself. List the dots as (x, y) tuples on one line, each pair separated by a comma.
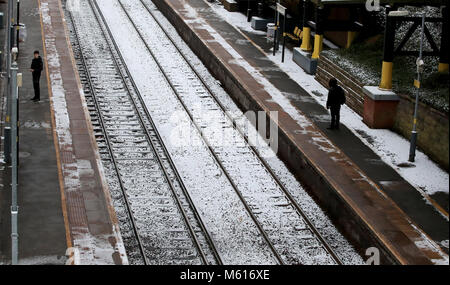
[(281, 9)]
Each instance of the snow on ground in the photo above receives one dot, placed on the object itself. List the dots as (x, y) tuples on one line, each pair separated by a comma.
[(235, 235), (312, 86), (393, 149), (317, 216), (210, 194), (304, 123), (43, 260), (258, 187), (92, 249)]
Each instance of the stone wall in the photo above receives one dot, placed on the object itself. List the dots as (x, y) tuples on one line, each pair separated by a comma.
[(433, 126)]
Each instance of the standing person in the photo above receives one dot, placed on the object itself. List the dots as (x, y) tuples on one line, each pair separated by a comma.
[(336, 98), (36, 68)]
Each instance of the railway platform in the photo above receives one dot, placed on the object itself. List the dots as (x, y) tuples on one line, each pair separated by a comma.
[(370, 201), (66, 208), (65, 213), (41, 218)]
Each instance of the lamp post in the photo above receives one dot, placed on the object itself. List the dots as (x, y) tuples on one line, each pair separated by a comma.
[(14, 163), (7, 130), (419, 63), (18, 24)]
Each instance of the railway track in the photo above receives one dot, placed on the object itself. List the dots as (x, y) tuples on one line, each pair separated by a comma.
[(296, 240), (155, 206)]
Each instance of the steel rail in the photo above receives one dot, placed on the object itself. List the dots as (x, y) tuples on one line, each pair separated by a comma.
[(255, 220), (166, 153), (322, 240), (106, 137)]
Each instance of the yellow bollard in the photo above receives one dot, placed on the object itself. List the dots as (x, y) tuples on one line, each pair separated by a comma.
[(306, 42), (350, 38), (386, 76), (443, 68), (318, 45)]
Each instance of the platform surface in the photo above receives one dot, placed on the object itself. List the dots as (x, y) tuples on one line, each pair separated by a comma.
[(63, 195), (42, 235)]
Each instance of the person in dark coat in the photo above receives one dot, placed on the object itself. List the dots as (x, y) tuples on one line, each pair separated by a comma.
[(336, 98), (36, 68)]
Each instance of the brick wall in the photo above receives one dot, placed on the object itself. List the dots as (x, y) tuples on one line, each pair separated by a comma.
[(353, 88), (433, 126)]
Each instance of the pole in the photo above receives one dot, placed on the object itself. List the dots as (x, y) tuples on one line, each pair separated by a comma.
[(388, 52), (445, 43), (284, 37), (306, 31), (275, 33), (277, 38), (18, 24), (14, 170), (249, 11), (318, 38), (7, 131), (8, 36), (300, 13), (18, 118), (412, 150)]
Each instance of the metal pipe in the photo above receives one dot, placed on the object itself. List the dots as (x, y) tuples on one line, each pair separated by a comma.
[(275, 33), (7, 131), (388, 53), (284, 37), (412, 149), (18, 24), (8, 38), (14, 167)]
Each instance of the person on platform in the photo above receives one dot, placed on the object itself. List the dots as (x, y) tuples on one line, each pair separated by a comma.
[(36, 68), (336, 98)]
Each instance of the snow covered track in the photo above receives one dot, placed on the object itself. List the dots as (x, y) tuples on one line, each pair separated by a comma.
[(267, 201), (315, 233), (186, 198), (159, 222)]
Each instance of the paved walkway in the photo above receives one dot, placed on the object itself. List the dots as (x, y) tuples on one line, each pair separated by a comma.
[(42, 235)]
